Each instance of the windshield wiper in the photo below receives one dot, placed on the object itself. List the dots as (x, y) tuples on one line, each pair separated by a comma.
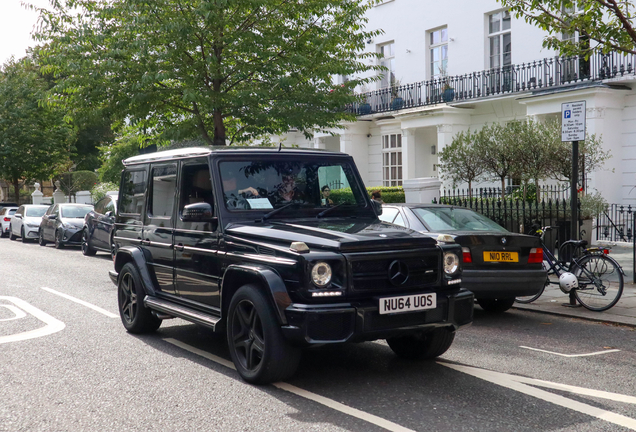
[(273, 212), (324, 212)]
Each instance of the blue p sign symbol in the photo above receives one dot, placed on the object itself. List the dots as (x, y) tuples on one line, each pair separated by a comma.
[(567, 114)]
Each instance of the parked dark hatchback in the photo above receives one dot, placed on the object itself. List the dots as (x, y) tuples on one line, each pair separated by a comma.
[(98, 227), (242, 241), (62, 224), (498, 265)]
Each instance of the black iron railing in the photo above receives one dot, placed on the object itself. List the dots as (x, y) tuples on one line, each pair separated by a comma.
[(536, 75), (616, 224)]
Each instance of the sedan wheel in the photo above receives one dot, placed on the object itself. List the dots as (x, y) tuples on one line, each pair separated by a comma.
[(22, 236), (496, 306), (59, 240), (11, 235), (86, 246)]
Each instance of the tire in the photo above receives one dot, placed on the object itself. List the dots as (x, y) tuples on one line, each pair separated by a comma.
[(11, 235), (425, 346), (136, 317), (41, 240), (496, 306), (59, 241), (257, 346), (22, 236), (87, 250), (531, 298), (603, 270), (113, 248)]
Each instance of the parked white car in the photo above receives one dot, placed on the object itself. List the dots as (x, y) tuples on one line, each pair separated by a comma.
[(5, 220), (25, 223)]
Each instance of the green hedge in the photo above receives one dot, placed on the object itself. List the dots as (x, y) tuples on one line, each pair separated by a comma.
[(392, 194)]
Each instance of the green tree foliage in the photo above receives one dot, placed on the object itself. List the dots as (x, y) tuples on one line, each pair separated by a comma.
[(72, 182), (112, 156), (460, 161), (609, 24), (35, 141), (498, 148), (225, 70)]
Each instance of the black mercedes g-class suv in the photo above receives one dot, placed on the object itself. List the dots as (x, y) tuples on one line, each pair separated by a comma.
[(281, 250)]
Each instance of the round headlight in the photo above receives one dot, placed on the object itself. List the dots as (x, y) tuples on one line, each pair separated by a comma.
[(451, 263), (321, 274)]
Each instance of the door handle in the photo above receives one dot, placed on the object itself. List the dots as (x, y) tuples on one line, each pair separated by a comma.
[(145, 242), (179, 247)]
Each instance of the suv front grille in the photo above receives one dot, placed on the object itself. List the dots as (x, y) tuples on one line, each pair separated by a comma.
[(369, 272)]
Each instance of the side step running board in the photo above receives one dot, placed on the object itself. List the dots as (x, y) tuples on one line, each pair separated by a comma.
[(184, 312)]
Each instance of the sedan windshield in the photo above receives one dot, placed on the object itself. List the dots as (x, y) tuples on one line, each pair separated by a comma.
[(307, 184), (35, 211), (75, 212), (442, 219)]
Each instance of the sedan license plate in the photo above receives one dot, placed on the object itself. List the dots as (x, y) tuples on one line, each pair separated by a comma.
[(410, 303), (501, 256)]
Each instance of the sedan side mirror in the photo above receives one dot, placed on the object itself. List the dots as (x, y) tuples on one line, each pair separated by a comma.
[(197, 212), (377, 207), (108, 214), (53, 216), (17, 216)]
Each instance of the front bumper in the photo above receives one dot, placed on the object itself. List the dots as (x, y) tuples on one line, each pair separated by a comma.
[(31, 232), (500, 284), (348, 322), (72, 236)]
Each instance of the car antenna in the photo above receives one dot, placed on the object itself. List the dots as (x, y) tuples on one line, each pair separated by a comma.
[(280, 146)]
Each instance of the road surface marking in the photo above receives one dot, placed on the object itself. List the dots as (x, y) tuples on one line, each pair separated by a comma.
[(17, 312), (82, 302), (519, 384), (572, 355), (370, 418), (52, 325)]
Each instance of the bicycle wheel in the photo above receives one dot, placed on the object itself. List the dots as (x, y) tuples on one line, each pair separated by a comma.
[(600, 282), (531, 298)]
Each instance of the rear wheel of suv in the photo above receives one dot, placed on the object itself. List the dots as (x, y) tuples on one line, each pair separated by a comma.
[(136, 317), (257, 346), (59, 241), (86, 246), (41, 240), (496, 305), (422, 346)]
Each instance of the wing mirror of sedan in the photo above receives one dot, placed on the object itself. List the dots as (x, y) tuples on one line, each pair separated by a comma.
[(52, 216), (17, 216), (377, 207), (108, 214), (198, 212)]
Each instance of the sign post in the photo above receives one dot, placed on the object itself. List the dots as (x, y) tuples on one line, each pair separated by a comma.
[(573, 129)]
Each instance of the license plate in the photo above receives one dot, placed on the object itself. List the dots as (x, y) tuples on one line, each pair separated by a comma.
[(410, 303), (501, 256)]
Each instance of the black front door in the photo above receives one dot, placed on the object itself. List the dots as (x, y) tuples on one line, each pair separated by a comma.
[(196, 261)]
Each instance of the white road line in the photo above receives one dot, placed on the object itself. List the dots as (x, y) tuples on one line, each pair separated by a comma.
[(82, 302), (370, 418), (17, 312), (516, 383), (52, 325), (572, 355)]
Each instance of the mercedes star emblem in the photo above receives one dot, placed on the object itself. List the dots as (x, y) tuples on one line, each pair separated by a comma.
[(398, 273)]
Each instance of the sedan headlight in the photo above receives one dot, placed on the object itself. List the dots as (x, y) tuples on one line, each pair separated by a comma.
[(32, 225), (451, 263), (321, 274)]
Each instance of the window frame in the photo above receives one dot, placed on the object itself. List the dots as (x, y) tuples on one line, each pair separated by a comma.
[(432, 46), (150, 190), (499, 35), (142, 168), (383, 82), (388, 163)]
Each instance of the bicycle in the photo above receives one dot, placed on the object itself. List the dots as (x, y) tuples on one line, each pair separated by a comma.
[(599, 278)]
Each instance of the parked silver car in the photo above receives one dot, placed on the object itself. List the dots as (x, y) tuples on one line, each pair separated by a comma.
[(63, 224), (6, 213), (26, 222)]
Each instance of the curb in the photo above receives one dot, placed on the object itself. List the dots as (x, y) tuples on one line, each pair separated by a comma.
[(613, 319)]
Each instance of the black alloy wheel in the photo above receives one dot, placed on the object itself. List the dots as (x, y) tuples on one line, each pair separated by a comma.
[(87, 250), (22, 236), (11, 235), (136, 317), (257, 346), (59, 241), (41, 240)]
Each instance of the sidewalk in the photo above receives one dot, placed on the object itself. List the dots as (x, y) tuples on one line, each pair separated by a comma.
[(552, 299)]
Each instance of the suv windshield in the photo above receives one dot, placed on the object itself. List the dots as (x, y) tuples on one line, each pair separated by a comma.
[(75, 212), (309, 184), (455, 219)]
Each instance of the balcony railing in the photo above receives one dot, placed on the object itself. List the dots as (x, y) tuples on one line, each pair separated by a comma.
[(541, 74)]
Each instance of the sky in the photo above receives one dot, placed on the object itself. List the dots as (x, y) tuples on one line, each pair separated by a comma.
[(16, 25)]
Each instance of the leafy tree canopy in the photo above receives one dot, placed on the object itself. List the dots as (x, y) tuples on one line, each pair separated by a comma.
[(225, 70), (35, 141), (460, 161), (608, 23)]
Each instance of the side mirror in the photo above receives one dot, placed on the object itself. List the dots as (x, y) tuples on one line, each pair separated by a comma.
[(53, 216), (108, 214), (17, 216), (377, 207), (197, 212)]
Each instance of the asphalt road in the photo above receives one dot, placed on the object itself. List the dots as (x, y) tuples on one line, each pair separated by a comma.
[(67, 364)]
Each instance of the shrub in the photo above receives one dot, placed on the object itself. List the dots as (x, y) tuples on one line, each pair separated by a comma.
[(99, 191), (392, 194)]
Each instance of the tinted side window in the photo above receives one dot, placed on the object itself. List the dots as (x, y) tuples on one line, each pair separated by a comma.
[(132, 191), (12, 211), (399, 220), (101, 204), (196, 185), (20, 210), (163, 191)]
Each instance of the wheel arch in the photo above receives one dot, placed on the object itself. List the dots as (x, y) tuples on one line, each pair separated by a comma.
[(131, 254), (266, 278)]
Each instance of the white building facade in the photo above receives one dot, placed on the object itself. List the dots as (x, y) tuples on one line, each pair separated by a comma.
[(497, 71)]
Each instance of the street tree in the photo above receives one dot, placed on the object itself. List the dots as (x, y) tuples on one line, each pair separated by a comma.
[(607, 24), (224, 70), (534, 153), (460, 161), (35, 141)]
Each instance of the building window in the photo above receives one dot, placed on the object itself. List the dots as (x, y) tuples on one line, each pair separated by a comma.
[(438, 42), (392, 159), (387, 60), (499, 39)]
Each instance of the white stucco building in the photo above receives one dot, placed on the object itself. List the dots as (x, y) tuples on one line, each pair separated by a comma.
[(498, 71)]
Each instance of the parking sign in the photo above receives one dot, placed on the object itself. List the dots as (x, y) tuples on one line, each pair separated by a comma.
[(573, 121)]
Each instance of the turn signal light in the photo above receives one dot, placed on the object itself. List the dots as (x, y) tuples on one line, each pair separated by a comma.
[(466, 256), (536, 256)]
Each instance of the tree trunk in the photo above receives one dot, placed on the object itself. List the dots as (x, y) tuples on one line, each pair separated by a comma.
[(503, 187), (219, 129), (16, 189)]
